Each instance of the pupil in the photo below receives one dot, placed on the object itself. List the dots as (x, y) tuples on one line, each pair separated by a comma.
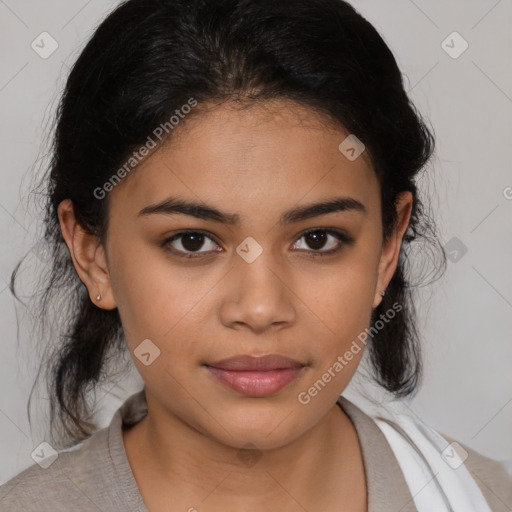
[(318, 239), (196, 239)]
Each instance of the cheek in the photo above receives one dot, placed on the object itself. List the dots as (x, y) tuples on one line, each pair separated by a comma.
[(342, 304), (159, 302), (342, 296), (139, 284), (347, 294)]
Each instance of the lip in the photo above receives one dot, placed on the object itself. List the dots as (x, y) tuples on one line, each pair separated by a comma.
[(256, 376), (256, 363)]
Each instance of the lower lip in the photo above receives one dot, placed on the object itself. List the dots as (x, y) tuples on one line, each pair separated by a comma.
[(256, 383)]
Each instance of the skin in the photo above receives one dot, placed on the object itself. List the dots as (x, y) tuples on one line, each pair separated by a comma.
[(258, 163)]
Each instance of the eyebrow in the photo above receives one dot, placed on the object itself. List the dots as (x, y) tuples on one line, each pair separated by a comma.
[(172, 206)]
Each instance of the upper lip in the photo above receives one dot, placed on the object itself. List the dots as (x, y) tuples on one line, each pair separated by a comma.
[(256, 363)]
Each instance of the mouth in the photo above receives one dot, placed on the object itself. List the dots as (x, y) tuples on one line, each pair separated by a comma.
[(256, 376)]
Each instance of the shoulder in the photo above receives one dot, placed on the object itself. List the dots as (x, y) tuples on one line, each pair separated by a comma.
[(386, 487), (66, 482), (490, 475), (93, 475), (70, 482)]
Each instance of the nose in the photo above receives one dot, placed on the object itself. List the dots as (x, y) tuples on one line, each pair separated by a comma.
[(258, 296)]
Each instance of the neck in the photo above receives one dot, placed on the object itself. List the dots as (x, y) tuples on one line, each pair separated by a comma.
[(167, 453)]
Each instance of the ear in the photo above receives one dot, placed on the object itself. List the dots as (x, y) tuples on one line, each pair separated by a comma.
[(88, 256), (391, 249)]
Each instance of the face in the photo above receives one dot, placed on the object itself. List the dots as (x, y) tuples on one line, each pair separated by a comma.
[(267, 282)]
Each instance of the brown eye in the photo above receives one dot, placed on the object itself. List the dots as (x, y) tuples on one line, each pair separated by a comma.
[(316, 239), (191, 242)]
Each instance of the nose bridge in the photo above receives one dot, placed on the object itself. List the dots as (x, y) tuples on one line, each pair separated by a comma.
[(259, 279), (258, 295)]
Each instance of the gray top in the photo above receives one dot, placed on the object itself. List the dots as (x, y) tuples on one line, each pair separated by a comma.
[(96, 475)]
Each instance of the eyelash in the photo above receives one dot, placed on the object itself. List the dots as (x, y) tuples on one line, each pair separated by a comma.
[(340, 235)]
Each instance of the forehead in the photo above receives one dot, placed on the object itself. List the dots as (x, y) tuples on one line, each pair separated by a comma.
[(261, 156)]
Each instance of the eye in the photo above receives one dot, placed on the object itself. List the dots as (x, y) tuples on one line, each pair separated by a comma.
[(318, 237), (189, 241)]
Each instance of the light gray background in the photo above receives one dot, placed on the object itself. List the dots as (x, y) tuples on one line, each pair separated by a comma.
[(465, 319)]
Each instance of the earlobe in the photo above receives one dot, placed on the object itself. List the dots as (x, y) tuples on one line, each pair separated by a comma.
[(88, 257), (378, 299), (391, 250), (102, 279)]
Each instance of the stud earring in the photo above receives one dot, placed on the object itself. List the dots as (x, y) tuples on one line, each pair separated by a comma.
[(383, 292), (98, 297)]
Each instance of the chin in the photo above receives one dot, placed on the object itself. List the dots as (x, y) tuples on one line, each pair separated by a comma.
[(256, 431)]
